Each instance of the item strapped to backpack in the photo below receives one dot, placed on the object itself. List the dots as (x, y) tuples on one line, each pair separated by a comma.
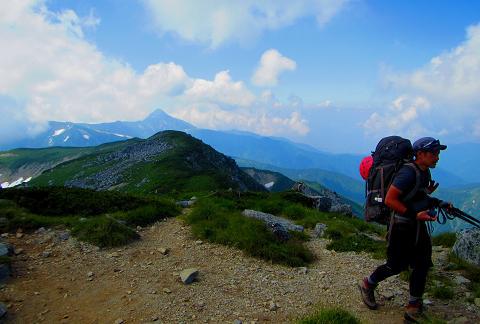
[(390, 155)]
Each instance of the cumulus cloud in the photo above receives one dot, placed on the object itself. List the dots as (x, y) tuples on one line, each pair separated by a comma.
[(46, 64), (453, 76), (50, 72), (450, 82), (222, 89), (403, 117), (261, 121), (214, 22), (271, 65)]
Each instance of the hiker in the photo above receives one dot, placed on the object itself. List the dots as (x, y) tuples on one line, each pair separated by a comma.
[(409, 243)]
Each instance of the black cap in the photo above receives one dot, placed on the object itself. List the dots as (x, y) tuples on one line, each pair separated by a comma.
[(428, 144)]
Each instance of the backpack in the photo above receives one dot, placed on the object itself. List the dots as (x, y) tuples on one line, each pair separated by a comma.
[(390, 155)]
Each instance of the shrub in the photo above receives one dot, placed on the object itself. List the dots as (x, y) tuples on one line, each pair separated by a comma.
[(211, 221), (294, 212), (471, 271), (331, 316), (104, 232), (358, 243), (445, 239), (62, 201), (148, 214), (442, 292)]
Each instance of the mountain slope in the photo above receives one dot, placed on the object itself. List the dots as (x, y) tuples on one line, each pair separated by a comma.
[(26, 163), (168, 162)]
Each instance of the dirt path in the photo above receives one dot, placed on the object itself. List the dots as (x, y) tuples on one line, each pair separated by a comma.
[(78, 283)]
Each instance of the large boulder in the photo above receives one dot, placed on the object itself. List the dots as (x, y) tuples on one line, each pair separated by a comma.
[(467, 246), (277, 225)]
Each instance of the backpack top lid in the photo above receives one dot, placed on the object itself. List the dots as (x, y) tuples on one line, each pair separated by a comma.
[(392, 149)]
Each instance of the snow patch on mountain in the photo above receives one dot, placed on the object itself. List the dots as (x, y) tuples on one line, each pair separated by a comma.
[(58, 132), (269, 184), (66, 138), (85, 136)]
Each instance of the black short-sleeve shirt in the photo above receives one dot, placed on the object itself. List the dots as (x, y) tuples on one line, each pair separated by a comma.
[(405, 181)]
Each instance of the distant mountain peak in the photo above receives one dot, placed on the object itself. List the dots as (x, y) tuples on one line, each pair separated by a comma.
[(157, 113)]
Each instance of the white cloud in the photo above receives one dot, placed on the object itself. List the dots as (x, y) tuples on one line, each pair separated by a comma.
[(261, 121), (214, 22), (221, 90), (450, 82), (451, 77), (272, 63), (50, 72), (403, 117)]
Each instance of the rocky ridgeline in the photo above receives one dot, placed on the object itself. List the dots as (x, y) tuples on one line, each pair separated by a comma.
[(121, 160), (205, 157), (324, 200)]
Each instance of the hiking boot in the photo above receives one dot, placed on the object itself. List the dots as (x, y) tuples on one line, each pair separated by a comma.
[(414, 312), (368, 294)]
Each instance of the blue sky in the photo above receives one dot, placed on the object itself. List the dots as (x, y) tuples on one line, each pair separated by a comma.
[(337, 75)]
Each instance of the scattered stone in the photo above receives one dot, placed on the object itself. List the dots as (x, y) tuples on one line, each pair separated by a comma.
[(467, 245), (90, 274), (139, 228), (319, 230), (19, 235), (154, 318), (185, 203), (388, 295), (272, 306), (167, 291), (188, 275), (63, 236), (237, 321), (199, 242), (46, 254), (36, 293), (3, 310), (114, 255), (302, 270), (18, 251), (119, 321), (427, 302), (460, 280), (5, 249), (163, 250), (4, 235), (41, 231)]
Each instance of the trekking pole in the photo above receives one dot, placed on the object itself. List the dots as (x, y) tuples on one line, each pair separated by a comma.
[(451, 213)]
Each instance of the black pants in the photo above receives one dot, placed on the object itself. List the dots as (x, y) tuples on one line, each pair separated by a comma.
[(409, 245)]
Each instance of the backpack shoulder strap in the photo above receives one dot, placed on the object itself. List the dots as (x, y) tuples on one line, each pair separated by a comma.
[(417, 181)]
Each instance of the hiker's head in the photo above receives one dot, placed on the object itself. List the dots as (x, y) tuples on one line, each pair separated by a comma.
[(427, 151)]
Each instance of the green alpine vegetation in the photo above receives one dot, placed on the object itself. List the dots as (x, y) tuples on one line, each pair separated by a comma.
[(102, 218), (218, 218)]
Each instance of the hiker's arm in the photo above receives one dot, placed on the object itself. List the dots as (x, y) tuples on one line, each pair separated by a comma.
[(392, 200)]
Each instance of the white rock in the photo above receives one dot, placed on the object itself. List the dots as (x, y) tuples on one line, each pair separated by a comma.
[(188, 275)]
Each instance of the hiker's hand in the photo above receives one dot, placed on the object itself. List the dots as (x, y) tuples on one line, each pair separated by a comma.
[(432, 186), (426, 216), (445, 205)]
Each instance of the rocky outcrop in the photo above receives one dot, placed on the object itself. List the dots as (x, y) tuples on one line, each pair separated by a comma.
[(467, 245), (324, 200), (279, 226)]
